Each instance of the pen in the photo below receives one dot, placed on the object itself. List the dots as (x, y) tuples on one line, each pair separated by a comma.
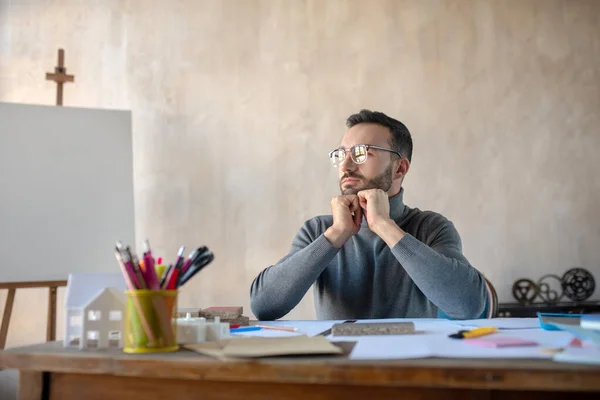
[(171, 277), (127, 268), (172, 281), (151, 278), (195, 268), (166, 276), (136, 268), (474, 332), (278, 328), (189, 260), (179, 261)]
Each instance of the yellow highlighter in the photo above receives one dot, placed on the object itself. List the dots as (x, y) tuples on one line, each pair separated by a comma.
[(477, 332), (160, 268)]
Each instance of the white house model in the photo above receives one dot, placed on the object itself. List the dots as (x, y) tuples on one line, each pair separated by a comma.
[(95, 311)]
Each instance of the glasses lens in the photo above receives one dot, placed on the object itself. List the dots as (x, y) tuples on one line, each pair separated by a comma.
[(337, 157), (359, 153)]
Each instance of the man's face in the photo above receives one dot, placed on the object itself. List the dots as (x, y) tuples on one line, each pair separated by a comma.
[(377, 171)]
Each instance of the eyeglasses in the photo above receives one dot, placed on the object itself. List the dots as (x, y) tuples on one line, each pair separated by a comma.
[(358, 153)]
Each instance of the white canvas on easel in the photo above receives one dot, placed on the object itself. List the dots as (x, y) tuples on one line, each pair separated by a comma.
[(66, 184)]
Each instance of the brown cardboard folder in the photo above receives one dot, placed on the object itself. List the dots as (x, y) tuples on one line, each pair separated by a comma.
[(256, 347)]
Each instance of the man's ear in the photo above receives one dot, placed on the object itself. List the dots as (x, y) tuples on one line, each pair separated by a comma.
[(402, 167)]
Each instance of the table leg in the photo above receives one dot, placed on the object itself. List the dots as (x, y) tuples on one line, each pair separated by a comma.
[(31, 385)]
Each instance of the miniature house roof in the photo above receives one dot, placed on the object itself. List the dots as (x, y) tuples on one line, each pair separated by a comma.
[(119, 295), (82, 288)]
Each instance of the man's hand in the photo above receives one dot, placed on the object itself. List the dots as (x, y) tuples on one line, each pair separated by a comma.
[(347, 216), (375, 204)]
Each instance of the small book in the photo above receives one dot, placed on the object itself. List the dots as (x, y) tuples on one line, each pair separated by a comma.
[(222, 312), (590, 321), (501, 341)]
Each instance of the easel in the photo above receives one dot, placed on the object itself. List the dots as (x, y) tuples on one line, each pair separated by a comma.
[(60, 76), (12, 288)]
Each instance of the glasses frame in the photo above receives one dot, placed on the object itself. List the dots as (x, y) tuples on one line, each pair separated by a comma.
[(367, 147)]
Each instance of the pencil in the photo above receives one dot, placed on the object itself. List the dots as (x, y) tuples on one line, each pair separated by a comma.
[(278, 328)]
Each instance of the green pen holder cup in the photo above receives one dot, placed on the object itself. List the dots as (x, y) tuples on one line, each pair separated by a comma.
[(150, 326)]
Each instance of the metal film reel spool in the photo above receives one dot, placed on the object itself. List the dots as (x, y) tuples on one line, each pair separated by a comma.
[(525, 291), (578, 284), (548, 292)]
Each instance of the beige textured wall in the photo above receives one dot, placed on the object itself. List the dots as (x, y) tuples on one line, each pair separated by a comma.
[(235, 104)]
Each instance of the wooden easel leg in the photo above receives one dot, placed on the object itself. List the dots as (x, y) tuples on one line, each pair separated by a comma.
[(51, 324), (59, 94), (10, 299)]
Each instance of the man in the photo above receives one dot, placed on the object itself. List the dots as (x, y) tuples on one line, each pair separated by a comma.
[(374, 257)]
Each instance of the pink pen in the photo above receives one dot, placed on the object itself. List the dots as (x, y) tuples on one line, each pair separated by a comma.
[(151, 277), (188, 262)]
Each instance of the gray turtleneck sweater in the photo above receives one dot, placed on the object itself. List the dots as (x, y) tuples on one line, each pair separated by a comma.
[(423, 273)]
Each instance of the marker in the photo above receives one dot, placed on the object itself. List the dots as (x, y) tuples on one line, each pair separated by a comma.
[(474, 332), (160, 268)]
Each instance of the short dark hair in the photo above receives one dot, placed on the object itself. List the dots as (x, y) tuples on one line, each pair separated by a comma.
[(400, 139)]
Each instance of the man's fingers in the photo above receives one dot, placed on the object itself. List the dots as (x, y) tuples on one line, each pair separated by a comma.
[(357, 216), (354, 205), (341, 200), (363, 202)]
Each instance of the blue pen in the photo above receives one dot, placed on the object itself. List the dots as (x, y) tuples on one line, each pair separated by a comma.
[(245, 329)]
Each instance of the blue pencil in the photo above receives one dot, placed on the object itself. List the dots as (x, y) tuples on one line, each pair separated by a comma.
[(245, 329)]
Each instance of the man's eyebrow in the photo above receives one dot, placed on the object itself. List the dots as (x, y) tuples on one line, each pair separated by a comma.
[(359, 144)]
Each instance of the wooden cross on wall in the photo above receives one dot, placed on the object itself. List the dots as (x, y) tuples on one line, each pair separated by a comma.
[(60, 76)]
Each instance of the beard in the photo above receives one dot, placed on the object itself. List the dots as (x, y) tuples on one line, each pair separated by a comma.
[(382, 181)]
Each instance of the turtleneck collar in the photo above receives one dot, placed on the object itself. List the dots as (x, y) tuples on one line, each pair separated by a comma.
[(397, 207)]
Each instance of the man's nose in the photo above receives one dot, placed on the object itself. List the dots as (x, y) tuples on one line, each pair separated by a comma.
[(348, 164)]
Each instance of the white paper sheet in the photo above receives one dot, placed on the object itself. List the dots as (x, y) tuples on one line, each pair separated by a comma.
[(500, 323), (579, 356), (438, 344), (443, 346), (389, 347)]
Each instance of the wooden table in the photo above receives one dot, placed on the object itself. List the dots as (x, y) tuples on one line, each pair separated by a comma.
[(47, 371)]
